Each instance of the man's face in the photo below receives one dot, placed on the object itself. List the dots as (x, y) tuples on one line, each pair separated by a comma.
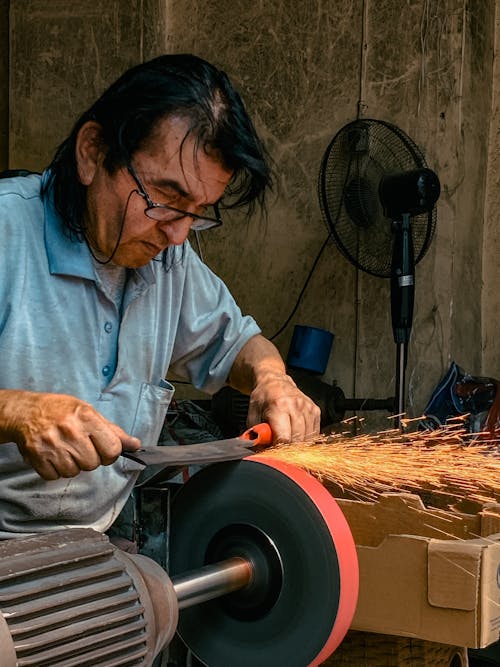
[(173, 171)]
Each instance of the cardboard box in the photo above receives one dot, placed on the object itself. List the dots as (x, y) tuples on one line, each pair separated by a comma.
[(432, 574), (370, 649)]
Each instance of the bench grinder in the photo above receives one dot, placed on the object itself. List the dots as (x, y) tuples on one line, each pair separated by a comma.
[(263, 571)]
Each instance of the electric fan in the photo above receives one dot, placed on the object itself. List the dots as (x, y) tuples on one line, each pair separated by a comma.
[(378, 200)]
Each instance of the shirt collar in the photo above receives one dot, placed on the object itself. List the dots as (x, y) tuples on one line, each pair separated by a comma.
[(67, 255)]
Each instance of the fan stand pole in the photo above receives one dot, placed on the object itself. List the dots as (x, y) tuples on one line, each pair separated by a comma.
[(402, 298), (401, 358)]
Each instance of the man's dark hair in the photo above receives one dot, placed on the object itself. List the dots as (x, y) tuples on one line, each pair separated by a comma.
[(128, 112)]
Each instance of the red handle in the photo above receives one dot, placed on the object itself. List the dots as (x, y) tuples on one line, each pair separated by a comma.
[(260, 434)]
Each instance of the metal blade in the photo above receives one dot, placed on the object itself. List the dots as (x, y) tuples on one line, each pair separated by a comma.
[(202, 453)]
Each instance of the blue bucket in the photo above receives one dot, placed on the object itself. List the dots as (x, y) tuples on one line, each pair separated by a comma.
[(310, 349)]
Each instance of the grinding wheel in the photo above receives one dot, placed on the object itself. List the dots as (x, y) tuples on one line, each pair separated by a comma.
[(300, 604)]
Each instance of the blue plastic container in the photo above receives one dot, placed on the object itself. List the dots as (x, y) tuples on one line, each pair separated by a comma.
[(310, 349)]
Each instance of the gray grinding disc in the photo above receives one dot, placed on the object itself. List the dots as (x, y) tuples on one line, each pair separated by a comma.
[(302, 603)]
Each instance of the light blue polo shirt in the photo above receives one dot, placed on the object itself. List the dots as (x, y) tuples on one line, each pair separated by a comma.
[(60, 333)]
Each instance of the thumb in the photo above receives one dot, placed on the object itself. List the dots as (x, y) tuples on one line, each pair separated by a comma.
[(129, 442)]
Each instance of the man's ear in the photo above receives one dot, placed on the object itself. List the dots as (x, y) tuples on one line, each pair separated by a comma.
[(89, 151)]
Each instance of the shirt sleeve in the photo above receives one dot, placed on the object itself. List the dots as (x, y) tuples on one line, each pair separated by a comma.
[(211, 329)]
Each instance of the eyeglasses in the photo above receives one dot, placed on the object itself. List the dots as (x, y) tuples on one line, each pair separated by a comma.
[(167, 213)]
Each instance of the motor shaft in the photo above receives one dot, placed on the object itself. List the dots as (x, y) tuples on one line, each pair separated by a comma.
[(212, 581)]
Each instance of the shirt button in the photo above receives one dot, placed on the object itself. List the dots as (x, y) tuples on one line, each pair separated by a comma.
[(108, 327), (106, 370)]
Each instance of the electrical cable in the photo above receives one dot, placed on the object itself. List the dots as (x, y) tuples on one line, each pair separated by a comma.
[(198, 244), (117, 244), (299, 298)]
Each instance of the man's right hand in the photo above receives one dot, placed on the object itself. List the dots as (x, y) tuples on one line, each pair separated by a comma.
[(59, 435)]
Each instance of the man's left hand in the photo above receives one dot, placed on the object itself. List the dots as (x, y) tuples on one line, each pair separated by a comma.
[(259, 371), (292, 416)]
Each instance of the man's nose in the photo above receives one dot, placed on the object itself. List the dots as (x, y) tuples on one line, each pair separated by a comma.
[(177, 231)]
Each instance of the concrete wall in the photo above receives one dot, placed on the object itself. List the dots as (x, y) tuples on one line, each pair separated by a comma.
[(490, 294), (4, 83), (63, 55), (305, 69)]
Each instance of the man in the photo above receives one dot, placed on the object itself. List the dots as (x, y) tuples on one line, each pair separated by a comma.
[(101, 294)]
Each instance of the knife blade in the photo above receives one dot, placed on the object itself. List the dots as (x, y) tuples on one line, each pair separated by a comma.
[(205, 452)]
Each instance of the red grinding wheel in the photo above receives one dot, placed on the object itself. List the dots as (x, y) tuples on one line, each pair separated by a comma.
[(302, 600)]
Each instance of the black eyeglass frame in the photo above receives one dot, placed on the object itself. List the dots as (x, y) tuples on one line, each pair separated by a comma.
[(200, 222)]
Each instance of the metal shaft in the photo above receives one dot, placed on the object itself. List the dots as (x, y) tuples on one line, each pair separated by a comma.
[(212, 581), (401, 356)]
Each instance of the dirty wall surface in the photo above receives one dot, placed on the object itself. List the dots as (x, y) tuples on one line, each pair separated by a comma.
[(304, 69), (4, 84), (490, 294), (307, 69), (63, 55)]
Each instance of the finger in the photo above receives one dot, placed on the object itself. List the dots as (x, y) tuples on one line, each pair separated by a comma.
[(87, 458), (312, 422), (281, 427), (107, 445), (36, 456), (255, 415), (298, 427), (108, 439), (74, 445), (45, 469), (64, 461), (52, 468), (129, 443), (307, 420), (69, 468)]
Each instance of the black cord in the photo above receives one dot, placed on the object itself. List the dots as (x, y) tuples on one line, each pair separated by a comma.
[(122, 224), (299, 298), (330, 235)]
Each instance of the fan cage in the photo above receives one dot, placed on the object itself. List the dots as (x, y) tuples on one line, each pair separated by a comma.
[(357, 158)]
